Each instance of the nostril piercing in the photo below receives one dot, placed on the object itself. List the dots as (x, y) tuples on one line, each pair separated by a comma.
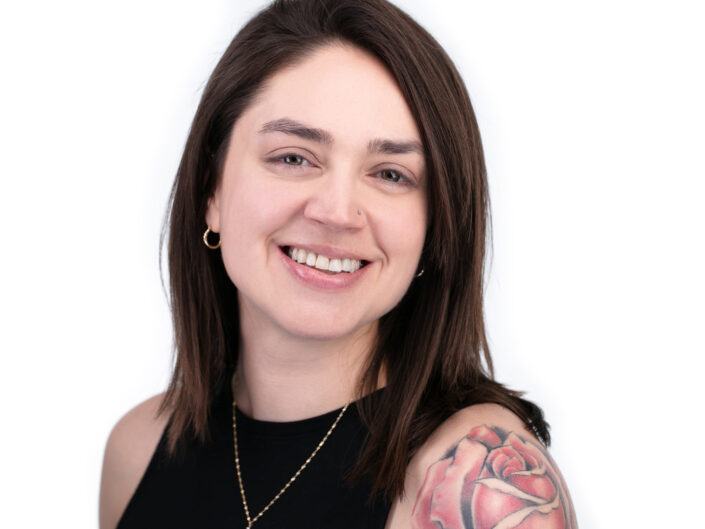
[(359, 212)]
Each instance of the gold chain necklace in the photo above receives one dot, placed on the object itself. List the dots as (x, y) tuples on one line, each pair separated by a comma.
[(250, 521)]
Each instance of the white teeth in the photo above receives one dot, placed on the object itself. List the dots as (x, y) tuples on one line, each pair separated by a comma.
[(335, 265), (321, 262)]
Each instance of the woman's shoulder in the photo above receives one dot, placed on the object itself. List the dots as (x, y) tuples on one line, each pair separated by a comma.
[(128, 452), (483, 468)]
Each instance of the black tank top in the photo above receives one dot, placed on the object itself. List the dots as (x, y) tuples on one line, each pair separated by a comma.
[(200, 490)]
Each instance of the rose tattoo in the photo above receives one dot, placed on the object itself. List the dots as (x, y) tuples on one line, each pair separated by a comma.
[(493, 480)]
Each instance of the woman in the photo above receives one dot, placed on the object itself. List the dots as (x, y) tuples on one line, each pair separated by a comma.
[(326, 245)]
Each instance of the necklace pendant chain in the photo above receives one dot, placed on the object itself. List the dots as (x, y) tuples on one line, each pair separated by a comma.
[(251, 521)]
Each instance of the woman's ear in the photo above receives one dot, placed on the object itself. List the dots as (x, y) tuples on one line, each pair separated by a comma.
[(213, 213)]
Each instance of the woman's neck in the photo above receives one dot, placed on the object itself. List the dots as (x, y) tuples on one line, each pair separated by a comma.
[(282, 378)]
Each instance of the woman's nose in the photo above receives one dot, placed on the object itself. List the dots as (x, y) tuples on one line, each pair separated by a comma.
[(334, 202)]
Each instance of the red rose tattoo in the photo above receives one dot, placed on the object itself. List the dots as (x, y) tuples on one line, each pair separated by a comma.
[(493, 480)]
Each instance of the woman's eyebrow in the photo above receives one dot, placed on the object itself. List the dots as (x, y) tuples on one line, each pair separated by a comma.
[(290, 126), (380, 146), (376, 146)]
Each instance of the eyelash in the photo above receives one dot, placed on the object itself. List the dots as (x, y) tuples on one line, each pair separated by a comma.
[(403, 178)]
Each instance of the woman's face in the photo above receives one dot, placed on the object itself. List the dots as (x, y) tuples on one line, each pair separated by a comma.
[(321, 206)]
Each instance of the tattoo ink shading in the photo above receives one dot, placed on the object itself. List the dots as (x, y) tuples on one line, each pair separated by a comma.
[(493, 479)]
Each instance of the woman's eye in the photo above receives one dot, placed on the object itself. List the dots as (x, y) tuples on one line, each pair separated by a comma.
[(290, 161), (293, 159), (391, 175)]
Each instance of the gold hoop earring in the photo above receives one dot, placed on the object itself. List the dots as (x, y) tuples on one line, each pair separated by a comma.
[(205, 239)]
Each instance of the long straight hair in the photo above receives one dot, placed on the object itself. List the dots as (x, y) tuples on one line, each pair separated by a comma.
[(432, 345)]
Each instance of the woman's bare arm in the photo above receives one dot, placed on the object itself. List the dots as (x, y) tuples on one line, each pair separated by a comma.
[(127, 454), (483, 470)]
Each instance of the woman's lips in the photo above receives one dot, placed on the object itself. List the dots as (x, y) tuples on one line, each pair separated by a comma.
[(323, 262), (319, 275)]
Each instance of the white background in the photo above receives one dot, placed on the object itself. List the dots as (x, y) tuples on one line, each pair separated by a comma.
[(593, 123)]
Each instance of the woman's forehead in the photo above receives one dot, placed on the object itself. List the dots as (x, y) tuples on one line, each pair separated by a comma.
[(339, 89)]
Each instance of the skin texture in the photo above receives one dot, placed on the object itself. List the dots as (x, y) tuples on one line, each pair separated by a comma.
[(492, 479), (127, 453), (474, 474)]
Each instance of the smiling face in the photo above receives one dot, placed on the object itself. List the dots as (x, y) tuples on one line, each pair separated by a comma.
[(321, 205)]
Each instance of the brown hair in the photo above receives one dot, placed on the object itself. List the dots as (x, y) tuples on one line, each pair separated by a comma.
[(433, 344)]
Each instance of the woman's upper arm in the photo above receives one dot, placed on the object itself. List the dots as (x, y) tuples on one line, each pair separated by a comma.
[(480, 470), (127, 453)]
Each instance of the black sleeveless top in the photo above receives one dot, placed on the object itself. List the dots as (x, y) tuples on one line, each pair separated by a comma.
[(200, 490)]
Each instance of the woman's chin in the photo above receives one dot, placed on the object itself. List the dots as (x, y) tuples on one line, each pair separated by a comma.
[(326, 329)]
